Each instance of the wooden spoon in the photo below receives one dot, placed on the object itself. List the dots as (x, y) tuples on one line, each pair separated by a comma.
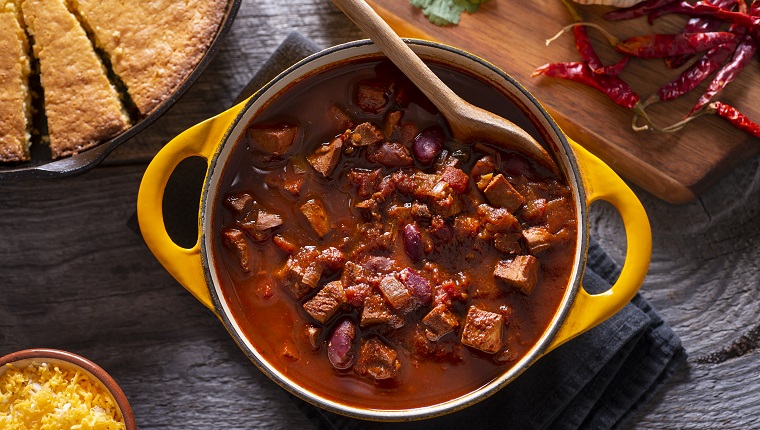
[(468, 123)]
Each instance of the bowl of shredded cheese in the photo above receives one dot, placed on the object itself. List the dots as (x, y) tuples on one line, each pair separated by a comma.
[(54, 389)]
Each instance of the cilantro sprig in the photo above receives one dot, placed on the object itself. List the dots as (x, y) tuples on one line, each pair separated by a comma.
[(446, 12)]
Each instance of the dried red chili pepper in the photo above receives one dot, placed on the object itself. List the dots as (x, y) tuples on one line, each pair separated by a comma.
[(635, 11), (709, 10), (667, 45), (586, 49), (614, 87), (694, 75), (614, 69), (658, 45), (736, 118), (699, 25), (743, 54)]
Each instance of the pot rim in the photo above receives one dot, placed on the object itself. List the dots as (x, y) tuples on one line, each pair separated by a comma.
[(559, 145)]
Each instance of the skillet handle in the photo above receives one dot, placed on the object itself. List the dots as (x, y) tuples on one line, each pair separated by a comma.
[(184, 264), (589, 310)]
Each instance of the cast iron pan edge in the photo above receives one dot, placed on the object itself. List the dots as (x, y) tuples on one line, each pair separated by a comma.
[(90, 158)]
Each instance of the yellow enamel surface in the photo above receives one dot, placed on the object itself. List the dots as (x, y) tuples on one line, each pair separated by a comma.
[(184, 264), (588, 310)]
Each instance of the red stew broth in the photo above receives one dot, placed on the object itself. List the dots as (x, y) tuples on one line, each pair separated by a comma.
[(274, 321)]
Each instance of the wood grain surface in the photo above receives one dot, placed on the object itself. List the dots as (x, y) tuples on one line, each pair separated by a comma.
[(74, 275), (675, 167)]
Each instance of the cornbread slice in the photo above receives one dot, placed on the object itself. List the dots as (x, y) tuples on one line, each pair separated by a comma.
[(152, 45), (15, 100), (82, 107)]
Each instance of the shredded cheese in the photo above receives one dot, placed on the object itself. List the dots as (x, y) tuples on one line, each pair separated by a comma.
[(43, 396)]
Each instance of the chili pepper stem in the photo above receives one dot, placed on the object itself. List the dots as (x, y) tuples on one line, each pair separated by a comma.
[(639, 112), (610, 37), (573, 12)]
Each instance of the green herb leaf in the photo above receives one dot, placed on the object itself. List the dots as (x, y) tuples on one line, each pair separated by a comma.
[(446, 12)]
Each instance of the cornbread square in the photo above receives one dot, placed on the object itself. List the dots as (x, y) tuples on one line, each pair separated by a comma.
[(15, 99), (152, 45), (82, 107)]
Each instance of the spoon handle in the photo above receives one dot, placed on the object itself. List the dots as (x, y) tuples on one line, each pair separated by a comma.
[(399, 53)]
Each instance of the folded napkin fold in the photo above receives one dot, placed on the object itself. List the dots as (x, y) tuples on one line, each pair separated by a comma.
[(596, 381)]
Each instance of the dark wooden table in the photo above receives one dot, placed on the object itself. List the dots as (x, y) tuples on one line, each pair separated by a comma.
[(73, 275)]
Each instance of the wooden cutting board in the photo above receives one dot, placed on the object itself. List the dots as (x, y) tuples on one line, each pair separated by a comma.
[(675, 167)]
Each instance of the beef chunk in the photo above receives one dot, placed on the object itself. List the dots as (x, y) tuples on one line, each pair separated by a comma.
[(239, 203), (389, 154), (395, 292), (376, 311), (356, 294), (422, 185), (290, 178), (371, 96), (354, 274), (439, 321), (326, 157), (366, 134), (441, 351), (406, 133), (392, 123), (537, 239), (235, 239), (421, 210), (466, 226), (521, 272), (456, 178), (482, 330), (497, 219), (312, 334), (377, 360), (301, 271), (289, 350), (534, 211), (327, 302), (483, 166), (365, 180), (559, 214), (339, 118), (332, 258), (266, 220), (448, 206), (315, 213), (501, 193), (312, 274), (507, 243), (377, 263), (273, 140)]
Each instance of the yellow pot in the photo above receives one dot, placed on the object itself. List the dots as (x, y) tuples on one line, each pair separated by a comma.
[(590, 180)]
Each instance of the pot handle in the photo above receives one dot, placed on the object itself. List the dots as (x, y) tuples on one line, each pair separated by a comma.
[(184, 264), (589, 310)]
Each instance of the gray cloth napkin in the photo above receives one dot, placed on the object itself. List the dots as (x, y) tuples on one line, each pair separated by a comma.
[(596, 381)]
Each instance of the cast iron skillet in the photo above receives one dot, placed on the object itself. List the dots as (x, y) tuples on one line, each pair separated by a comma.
[(42, 166)]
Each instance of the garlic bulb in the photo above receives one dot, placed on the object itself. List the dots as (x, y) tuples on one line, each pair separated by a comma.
[(616, 3)]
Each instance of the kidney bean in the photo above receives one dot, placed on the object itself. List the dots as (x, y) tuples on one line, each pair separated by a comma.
[(340, 350), (427, 145), (413, 242), (419, 286)]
